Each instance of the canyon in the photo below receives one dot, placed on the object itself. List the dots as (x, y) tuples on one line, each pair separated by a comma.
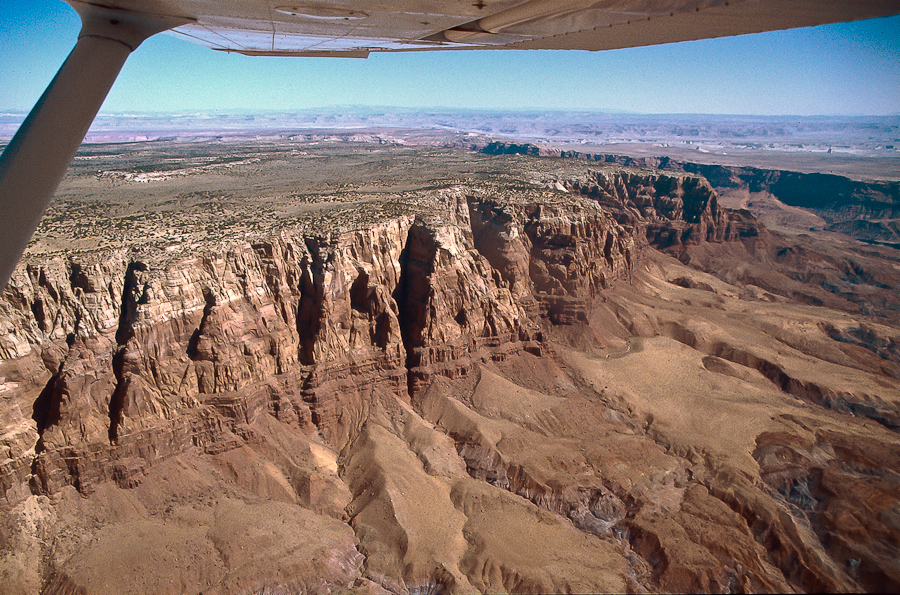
[(450, 372), (868, 210)]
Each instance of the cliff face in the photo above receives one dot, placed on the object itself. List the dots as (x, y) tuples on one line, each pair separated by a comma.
[(676, 210), (115, 362), (833, 197), (866, 210), (386, 408)]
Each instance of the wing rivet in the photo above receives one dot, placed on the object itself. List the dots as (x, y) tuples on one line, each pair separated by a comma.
[(321, 13)]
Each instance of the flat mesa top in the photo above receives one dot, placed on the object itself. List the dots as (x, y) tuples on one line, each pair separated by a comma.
[(168, 197), (355, 28)]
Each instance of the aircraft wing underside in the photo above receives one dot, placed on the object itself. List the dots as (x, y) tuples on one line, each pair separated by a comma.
[(355, 28)]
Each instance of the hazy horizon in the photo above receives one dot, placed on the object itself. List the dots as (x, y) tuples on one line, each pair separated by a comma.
[(250, 111)]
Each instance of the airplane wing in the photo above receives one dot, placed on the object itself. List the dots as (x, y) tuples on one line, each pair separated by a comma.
[(355, 28), (36, 159)]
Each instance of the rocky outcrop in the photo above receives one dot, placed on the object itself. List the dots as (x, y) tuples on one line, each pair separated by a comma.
[(117, 361), (552, 256), (676, 210), (866, 210)]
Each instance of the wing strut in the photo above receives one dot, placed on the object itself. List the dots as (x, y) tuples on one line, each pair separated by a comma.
[(38, 156)]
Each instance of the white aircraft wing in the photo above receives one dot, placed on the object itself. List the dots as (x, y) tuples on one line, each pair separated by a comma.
[(36, 159), (292, 27)]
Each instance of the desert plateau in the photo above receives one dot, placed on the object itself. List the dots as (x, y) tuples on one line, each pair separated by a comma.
[(397, 360)]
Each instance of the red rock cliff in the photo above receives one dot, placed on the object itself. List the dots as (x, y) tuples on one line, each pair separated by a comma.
[(115, 361)]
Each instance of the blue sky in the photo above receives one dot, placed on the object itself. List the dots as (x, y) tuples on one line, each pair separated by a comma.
[(845, 69)]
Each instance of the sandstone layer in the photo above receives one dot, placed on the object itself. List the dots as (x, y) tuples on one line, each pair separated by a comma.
[(507, 388)]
